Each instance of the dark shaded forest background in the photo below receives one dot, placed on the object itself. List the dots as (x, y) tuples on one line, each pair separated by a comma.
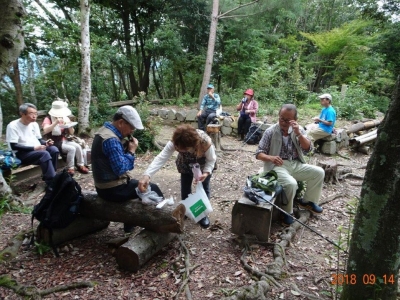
[(287, 51)]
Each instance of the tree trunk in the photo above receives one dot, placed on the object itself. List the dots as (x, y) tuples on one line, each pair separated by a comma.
[(86, 84), (210, 50), (31, 80), (374, 248), (140, 248), (331, 170), (11, 33), (167, 219), (79, 227), (16, 79)]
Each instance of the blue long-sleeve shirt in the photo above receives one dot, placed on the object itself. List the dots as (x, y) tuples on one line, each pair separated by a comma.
[(210, 103), (121, 162)]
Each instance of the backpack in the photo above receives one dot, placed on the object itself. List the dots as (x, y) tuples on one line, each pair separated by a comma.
[(265, 181), (254, 134), (60, 204)]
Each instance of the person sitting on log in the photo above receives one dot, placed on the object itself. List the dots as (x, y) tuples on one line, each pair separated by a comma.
[(281, 149), (24, 138), (58, 117), (193, 146), (326, 120), (113, 158), (208, 108), (247, 109)]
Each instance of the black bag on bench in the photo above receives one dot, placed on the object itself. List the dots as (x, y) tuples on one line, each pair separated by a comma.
[(60, 205)]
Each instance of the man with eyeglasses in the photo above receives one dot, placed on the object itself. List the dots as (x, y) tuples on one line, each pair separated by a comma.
[(281, 149), (113, 158), (24, 139)]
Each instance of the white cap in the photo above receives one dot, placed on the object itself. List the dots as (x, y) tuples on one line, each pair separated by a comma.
[(130, 115), (325, 96)]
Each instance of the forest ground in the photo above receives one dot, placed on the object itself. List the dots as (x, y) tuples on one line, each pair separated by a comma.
[(215, 254)]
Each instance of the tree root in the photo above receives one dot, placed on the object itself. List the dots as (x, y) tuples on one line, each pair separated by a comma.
[(11, 251), (309, 296), (351, 175), (186, 275), (35, 293), (331, 198)]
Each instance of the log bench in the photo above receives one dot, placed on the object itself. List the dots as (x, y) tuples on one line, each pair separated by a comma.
[(160, 227)]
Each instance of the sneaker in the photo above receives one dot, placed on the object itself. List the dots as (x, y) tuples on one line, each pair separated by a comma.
[(71, 171), (311, 206), (287, 220), (83, 169)]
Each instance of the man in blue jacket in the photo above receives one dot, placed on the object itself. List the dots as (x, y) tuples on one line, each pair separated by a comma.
[(208, 108)]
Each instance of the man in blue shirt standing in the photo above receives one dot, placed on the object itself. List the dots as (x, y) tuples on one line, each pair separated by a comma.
[(113, 158), (208, 108), (326, 120)]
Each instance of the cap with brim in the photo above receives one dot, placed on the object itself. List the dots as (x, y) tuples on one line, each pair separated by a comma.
[(210, 86), (59, 109), (130, 115), (325, 96)]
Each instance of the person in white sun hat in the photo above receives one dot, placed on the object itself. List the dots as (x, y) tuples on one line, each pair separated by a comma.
[(54, 126), (113, 158)]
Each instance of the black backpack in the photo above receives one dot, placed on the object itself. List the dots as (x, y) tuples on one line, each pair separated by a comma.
[(60, 205), (254, 134)]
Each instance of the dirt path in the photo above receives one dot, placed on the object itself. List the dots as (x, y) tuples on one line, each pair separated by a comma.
[(215, 255)]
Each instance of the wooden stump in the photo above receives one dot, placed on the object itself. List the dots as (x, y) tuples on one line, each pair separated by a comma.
[(79, 227), (140, 248), (214, 131), (249, 218), (167, 219), (330, 168)]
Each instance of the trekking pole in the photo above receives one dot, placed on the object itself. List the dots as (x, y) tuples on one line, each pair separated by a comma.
[(246, 140), (305, 225)]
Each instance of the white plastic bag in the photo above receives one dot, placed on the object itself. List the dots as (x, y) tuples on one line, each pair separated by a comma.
[(197, 205)]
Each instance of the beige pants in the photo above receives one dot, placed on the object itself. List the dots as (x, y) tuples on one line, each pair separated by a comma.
[(317, 134), (292, 171), (73, 151)]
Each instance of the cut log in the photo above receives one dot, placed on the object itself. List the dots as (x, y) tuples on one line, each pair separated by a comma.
[(364, 149), (213, 130), (140, 248), (79, 227), (133, 212), (362, 126), (330, 168), (362, 139)]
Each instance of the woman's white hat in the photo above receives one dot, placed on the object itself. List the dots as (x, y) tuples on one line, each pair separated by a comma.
[(59, 109)]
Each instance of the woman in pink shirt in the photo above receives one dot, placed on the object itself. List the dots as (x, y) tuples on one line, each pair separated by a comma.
[(247, 109), (52, 127)]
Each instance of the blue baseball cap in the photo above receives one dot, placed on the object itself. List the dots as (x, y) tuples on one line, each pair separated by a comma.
[(210, 86)]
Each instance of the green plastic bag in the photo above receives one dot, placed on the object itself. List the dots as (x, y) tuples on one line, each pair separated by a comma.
[(266, 181)]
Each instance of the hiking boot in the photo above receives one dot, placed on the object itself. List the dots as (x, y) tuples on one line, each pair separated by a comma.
[(311, 206), (241, 137), (71, 171), (288, 219), (83, 169)]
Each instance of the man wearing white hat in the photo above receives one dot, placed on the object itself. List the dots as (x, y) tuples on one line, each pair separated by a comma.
[(113, 158), (326, 120), (24, 138)]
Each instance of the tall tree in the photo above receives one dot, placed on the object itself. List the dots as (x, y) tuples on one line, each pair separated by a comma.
[(211, 42), (11, 45), (373, 264), (86, 84), (11, 33)]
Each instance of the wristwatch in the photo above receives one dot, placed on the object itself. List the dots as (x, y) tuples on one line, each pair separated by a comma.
[(131, 153)]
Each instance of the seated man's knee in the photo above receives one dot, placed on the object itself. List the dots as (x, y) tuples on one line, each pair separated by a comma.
[(289, 183)]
